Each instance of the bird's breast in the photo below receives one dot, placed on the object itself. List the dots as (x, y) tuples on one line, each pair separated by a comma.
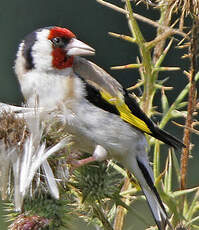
[(50, 89)]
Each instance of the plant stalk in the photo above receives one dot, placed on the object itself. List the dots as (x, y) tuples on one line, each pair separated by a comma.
[(121, 211), (191, 102)]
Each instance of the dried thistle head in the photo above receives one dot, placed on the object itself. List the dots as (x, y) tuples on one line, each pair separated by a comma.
[(186, 6), (23, 155), (13, 131), (13, 134), (54, 132), (183, 7)]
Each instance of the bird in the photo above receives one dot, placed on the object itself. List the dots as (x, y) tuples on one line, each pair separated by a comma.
[(105, 118)]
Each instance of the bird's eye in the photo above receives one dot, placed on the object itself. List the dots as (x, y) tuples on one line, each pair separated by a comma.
[(58, 42)]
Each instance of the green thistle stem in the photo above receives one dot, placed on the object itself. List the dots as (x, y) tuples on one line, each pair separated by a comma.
[(101, 217), (149, 80)]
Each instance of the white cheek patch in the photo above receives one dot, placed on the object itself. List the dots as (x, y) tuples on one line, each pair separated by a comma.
[(20, 63), (42, 51)]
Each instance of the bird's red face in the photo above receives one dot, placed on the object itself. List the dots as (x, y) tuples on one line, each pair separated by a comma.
[(60, 37), (65, 46)]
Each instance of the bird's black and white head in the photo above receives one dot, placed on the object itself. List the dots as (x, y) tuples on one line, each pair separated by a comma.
[(44, 60), (49, 48)]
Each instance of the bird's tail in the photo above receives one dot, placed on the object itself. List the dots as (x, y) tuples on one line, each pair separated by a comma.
[(159, 214), (167, 138), (152, 196)]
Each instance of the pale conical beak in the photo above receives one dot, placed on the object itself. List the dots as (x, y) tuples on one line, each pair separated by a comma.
[(78, 48)]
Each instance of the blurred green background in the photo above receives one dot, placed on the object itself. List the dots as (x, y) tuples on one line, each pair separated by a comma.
[(91, 23)]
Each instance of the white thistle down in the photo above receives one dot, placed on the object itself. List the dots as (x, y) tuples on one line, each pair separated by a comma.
[(5, 160), (50, 179), (26, 164), (20, 111)]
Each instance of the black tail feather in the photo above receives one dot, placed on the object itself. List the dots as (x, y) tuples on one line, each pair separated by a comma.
[(167, 138), (154, 199)]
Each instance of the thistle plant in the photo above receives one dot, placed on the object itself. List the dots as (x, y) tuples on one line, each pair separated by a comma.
[(152, 55), (40, 188)]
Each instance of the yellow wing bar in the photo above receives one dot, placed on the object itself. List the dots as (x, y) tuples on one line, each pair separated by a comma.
[(125, 112)]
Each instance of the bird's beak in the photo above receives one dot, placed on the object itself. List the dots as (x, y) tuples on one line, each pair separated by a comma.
[(78, 48)]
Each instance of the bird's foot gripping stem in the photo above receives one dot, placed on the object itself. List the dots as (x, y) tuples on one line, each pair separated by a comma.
[(99, 154)]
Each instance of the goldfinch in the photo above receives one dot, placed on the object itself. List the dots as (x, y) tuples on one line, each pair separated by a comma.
[(104, 118)]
